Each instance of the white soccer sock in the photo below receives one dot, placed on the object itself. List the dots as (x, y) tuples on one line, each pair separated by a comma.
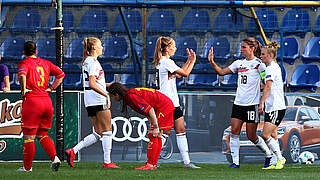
[(164, 139), (263, 146), (182, 143), (234, 148), (275, 148), (87, 141), (106, 146)]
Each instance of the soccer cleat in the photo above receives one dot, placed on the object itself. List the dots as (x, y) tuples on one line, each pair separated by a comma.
[(22, 169), (147, 167), (280, 163), (267, 162), (191, 165), (233, 165), (110, 165), (55, 164), (71, 156), (269, 167)]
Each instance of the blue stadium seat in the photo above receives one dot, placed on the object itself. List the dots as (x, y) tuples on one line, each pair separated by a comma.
[(73, 78), (3, 20), (230, 81), (74, 52), (312, 51), (134, 21), (12, 49), (67, 21), (27, 21), (316, 29), (182, 43), (237, 54), (296, 22), (115, 49), (46, 48), (305, 76), (227, 22), (161, 22), (195, 22), (151, 44), (206, 77), (221, 49), (109, 75), (129, 79), (93, 22), (291, 50), (283, 74), (268, 20)]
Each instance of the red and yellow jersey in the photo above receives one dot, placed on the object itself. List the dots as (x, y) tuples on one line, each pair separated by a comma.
[(37, 72), (143, 99)]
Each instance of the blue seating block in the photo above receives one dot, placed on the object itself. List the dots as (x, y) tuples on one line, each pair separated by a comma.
[(316, 29), (291, 50), (182, 43), (93, 22), (109, 75), (74, 52), (312, 51), (73, 78), (27, 21), (305, 76), (67, 21), (195, 22), (151, 44), (46, 48), (130, 78), (221, 49), (12, 49), (161, 22), (296, 22), (283, 74), (268, 20), (115, 49), (230, 80), (134, 21), (206, 77), (227, 22)]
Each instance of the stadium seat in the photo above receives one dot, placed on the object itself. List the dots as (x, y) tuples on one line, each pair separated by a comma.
[(74, 52), (316, 29), (312, 51), (161, 22), (93, 22), (182, 43), (230, 81), (129, 78), (202, 76), (134, 21), (195, 22), (227, 22), (67, 21), (27, 21), (221, 48), (283, 74), (12, 49), (3, 20), (109, 75), (291, 50), (151, 44), (268, 20), (305, 76), (296, 22), (115, 49), (46, 48), (73, 78)]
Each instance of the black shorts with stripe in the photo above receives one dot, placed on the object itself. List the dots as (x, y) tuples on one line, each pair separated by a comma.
[(248, 114), (275, 117), (92, 110)]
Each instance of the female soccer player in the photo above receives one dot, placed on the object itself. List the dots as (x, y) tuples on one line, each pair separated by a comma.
[(157, 107), (167, 72), (245, 107), (4, 78), (97, 103), (272, 102), (37, 111)]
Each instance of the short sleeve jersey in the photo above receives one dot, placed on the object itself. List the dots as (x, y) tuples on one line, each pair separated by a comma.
[(92, 67), (37, 72), (166, 80), (3, 73), (275, 100), (143, 99), (248, 91)]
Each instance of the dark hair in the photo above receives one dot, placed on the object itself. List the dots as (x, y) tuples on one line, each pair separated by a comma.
[(30, 48), (119, 89), (253, 43), (161, 44)]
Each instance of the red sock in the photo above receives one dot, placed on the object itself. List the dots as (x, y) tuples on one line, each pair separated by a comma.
[(153, 150), (28, 153), (158, 150), (48, 146)]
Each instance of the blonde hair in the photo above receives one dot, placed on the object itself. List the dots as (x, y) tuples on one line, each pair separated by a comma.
[(161, 44), (253, 43), (88, 44), (272, 48)]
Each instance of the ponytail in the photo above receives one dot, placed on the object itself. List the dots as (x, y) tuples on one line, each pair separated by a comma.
[(88, 44)]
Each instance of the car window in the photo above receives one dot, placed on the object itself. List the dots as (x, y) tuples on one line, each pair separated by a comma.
[(303, 112), (290, 114), (313, 114)]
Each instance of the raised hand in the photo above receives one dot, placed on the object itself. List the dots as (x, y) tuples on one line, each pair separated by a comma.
[(211, 55), (191, 55)]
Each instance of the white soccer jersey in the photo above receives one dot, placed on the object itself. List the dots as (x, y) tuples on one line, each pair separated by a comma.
[(92, 67), (275, 100), (248, 91), (167, 81)]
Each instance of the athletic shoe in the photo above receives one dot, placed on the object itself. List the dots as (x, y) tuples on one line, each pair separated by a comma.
[(267, 162), (147, 167), (110, 165), (269, 167), (233, 165), (280, 163), (191, 165), (71, 156), (22, 169), (55, 164)]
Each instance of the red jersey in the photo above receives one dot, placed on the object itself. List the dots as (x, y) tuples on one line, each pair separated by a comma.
[(37, 72), (143, 99)]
